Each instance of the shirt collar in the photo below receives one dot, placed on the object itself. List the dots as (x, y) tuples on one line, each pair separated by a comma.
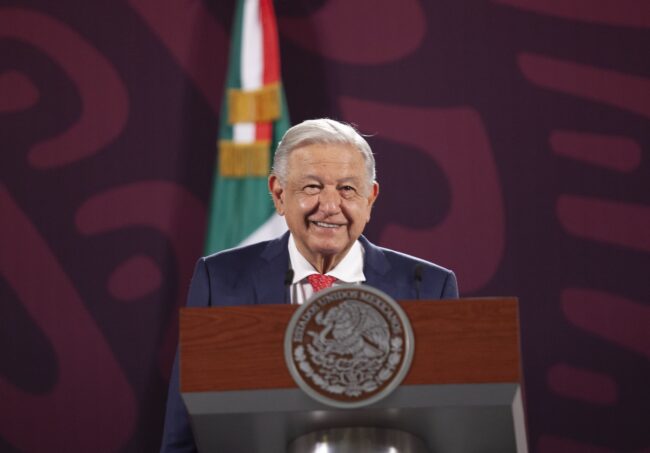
[(349, 269)]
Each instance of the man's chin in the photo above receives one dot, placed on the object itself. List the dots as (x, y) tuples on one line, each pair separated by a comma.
[(329, 250)]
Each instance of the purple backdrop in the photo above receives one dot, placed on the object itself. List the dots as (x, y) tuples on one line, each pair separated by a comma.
[(512, 140)]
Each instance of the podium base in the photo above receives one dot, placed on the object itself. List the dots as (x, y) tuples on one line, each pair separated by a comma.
[(354, 440)]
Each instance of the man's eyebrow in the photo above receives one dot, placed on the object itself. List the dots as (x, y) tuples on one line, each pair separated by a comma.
[(353, 179), (308, 176)]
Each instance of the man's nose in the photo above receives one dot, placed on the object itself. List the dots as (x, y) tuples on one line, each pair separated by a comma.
[(329, 201)]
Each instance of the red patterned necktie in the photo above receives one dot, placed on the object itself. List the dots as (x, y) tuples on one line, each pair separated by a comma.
[(320, 281)]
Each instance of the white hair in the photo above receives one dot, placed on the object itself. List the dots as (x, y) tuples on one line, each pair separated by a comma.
[(322, 131)]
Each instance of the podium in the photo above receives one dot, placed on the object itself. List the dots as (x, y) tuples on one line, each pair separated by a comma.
[(462, 394)]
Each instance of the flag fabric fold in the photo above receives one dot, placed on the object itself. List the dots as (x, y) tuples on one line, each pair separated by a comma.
[(253, 118)]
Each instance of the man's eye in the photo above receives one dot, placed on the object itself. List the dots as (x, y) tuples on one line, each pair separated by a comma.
[(311, 189), (347, 191)]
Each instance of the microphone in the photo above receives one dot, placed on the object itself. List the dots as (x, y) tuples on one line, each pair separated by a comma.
[(417, 276), (288, 279)]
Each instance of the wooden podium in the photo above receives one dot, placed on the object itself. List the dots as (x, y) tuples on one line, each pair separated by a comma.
[(462, 394)]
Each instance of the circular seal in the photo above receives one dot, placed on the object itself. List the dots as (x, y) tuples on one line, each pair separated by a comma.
[(349, 346)]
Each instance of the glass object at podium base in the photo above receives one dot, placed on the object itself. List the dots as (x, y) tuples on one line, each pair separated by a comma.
[(354, 440)]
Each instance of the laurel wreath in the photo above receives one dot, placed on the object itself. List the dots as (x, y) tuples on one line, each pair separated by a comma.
[(354, 387)]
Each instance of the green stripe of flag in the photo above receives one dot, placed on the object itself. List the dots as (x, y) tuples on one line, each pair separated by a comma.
[(239, 206)]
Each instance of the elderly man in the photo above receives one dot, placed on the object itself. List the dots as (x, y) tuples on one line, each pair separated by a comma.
[(323, 183)]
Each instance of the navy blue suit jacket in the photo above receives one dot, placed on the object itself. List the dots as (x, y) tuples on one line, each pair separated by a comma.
[(255, 275)]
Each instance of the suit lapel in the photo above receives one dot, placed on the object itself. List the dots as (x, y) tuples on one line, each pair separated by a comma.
[(270, 272), (375, 265)]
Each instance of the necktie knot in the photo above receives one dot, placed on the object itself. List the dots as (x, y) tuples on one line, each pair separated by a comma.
[(320, 281)]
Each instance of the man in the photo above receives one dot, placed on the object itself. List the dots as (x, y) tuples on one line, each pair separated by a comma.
[(323, 183)]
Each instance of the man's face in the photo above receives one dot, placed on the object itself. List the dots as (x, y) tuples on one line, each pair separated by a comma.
[(326, 201)]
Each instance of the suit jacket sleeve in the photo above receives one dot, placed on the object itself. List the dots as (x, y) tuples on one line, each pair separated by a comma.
[(177, 433)]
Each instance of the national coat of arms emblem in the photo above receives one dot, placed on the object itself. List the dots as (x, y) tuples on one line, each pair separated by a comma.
[(349, 346)]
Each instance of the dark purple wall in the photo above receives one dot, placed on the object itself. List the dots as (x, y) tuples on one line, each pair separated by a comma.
[(512, 141)]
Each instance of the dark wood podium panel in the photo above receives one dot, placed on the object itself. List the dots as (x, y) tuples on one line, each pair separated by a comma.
[(234, 348), (464, 341), (456, 341)]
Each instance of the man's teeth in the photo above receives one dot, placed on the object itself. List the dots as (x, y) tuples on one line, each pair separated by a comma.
[(326, 225)]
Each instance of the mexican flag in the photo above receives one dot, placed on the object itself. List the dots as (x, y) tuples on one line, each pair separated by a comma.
[(253, 119)]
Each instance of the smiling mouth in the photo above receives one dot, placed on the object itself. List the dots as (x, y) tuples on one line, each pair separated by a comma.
[(326, 225)]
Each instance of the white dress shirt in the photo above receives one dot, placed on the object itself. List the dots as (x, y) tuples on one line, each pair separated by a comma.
[(349, 270)]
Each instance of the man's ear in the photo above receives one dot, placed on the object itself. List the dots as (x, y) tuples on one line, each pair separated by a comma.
[(277, 194), (374, 192), (372, 196)]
